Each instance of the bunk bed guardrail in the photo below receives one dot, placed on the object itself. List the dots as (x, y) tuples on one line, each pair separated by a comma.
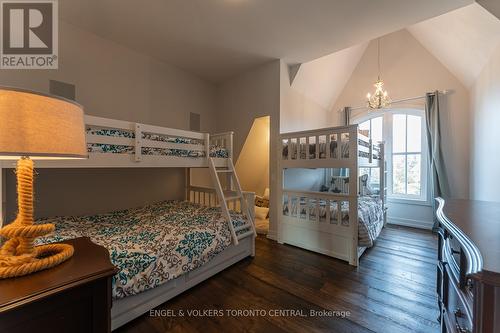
[(328, 145), (117, 143), (326, 222), (207, 196)]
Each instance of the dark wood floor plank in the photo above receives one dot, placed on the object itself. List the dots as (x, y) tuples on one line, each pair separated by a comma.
[(413, 264), (408, 249), (418, 318), (393, 290), (252, 293), (351, 279), (366, 317), (413, 239), (422, 276), (327, 267)]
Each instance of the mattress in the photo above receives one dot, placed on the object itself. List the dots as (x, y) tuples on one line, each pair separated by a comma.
[(153, 244), (370, 215), (215, 150)]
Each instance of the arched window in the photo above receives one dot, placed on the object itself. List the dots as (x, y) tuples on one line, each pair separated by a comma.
[(403, 132)]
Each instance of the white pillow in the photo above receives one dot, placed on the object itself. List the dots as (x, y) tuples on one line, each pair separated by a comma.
[(266, 194), (261, 212)]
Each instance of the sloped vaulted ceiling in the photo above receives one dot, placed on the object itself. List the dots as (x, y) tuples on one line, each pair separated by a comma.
[(322, 80), (463, 40)]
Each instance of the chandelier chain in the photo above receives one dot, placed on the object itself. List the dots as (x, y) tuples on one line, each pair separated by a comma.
[(378, 57), (380, 99)]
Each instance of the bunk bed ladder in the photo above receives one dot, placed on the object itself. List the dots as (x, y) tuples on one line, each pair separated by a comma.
[(233, 193)]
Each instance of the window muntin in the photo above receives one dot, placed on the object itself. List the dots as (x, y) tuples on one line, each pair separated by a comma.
[(406, 153), (374, 128)]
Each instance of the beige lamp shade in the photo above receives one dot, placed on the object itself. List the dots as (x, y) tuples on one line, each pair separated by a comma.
[(40, 126)]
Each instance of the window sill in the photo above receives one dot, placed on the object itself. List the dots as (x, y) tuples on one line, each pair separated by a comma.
[(416, 202)]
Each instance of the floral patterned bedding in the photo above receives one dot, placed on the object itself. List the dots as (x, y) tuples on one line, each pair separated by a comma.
[(152, 244), (215, 150)]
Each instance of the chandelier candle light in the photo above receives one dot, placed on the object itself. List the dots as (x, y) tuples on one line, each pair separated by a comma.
[(380, 99), (35, 126)]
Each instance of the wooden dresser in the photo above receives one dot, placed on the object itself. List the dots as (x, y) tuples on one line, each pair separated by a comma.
[(72, 297), (468, 274)]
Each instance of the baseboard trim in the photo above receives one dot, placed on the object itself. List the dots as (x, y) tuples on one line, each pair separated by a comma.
[(420, 224), (272, 235)]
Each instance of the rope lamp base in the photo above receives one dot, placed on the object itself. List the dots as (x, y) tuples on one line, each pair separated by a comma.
[(19, 256)]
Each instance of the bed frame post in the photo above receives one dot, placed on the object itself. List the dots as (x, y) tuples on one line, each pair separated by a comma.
[(138, 142), (383, 180), (206, 139), (249, 197), (279, 188), (229, 143), (370, 158), (187, 196), (353, 194)]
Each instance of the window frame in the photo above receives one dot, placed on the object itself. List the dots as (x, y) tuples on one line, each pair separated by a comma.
[(387, 131)]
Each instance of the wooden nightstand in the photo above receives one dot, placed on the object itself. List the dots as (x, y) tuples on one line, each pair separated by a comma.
[(72, 297)]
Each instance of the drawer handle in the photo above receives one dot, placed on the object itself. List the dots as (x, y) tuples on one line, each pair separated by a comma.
[(458, 314)]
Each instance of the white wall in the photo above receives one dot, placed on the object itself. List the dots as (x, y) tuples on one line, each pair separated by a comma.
[(409, 70), (90, 191), (253, 94), (323, 79), (304, 179), (485, 160), (116, 82), (250, 95), (253, 162), (298, 111)]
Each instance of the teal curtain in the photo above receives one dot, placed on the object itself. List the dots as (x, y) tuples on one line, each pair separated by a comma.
[(438, 176)]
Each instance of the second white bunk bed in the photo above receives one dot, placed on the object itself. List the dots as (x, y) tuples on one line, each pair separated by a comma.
[(328, 221), (122, 144)]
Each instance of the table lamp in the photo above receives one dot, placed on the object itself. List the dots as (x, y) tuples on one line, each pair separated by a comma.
[(35, 126)]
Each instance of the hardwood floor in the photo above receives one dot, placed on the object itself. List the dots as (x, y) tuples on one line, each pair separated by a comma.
[(393, 290)]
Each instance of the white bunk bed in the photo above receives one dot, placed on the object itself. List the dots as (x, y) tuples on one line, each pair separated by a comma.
[(121, 144), (327, 222)]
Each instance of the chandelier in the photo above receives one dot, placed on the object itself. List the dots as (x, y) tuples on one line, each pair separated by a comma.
[(380, 99)]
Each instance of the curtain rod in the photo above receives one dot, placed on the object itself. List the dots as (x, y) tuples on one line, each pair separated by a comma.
[(444, 92)]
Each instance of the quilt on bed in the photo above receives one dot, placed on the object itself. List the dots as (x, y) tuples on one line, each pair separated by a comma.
[(153, 244), (370, 216), (215, 150)]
